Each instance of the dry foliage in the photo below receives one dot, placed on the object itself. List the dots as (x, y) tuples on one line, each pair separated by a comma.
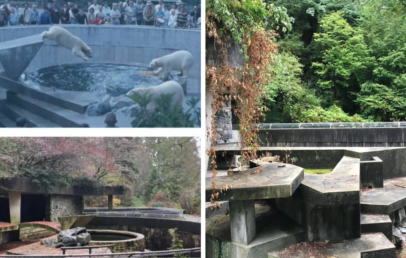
[(244, 85)]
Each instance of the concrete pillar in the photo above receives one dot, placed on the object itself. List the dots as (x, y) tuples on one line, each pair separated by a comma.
[(14, 199), (110, 202), (242, 221)]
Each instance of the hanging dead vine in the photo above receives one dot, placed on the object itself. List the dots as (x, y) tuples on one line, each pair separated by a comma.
[(245, 85)]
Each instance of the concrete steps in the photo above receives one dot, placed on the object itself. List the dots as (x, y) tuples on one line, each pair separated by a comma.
[(12, 112), (374, 223), (5, 121), (369, 245), (55, 114)]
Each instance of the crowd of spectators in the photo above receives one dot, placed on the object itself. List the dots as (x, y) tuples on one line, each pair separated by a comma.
[(122, 13)]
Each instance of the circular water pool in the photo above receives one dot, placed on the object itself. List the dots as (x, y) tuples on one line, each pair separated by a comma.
[(90, 77), (122, 241)]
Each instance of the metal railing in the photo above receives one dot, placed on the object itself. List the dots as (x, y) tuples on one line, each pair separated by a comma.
[(270, 126), (191, 252)]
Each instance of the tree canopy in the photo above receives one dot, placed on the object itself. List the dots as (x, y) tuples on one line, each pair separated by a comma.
[(148, 168)]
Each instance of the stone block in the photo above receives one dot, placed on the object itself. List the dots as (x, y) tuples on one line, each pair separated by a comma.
[(83, 239)]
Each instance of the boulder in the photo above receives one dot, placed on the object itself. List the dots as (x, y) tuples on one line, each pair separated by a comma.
[(117, 90), (131, 111), (83, 239), (120, 102), (104, 106)]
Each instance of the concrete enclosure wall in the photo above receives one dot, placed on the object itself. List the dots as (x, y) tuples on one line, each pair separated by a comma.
[(155, 230), (116, 44), (64, 205), (335, 137)]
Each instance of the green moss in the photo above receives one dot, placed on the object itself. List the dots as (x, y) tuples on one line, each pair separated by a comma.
[(317, 171)]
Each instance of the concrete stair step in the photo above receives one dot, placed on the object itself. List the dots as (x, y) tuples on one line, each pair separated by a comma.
[(71, 100), (5, 121), (13, 112), (368, 245), (47, 111), (61, 116), (385, 200), (373, 223)]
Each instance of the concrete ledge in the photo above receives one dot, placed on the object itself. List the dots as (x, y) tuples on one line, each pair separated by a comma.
[(334, 137), (376, 223), (71, 100), (372, 173), (327, 206), (341, 186), (272, 182), (385, 200), (216, 211), (25, 185)]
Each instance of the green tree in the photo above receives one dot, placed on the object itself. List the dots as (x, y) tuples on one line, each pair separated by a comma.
[(344, 54), (382, 97)]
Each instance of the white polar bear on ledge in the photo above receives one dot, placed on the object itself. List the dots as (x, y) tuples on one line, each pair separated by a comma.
[(169, 87), (65, 39), (179, 61)]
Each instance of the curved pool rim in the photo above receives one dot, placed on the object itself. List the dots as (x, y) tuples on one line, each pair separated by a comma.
[(136, 242)]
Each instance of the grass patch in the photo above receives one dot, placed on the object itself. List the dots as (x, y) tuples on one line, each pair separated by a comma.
[(317, 171)]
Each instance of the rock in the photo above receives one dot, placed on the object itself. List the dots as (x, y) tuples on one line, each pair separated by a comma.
[(91, 110), (132, 111), (104, 106), (71, 232), (398, 234), (120, 102), (83, 239), (117, 90), (49, 242), (69, 240)]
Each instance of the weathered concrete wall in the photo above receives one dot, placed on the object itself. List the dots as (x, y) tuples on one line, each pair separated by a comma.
[(116, 44), (34, 233), (371, 172), (8, 236), (307, 158), (335, 137), (64, 205), (223, 123), (393, 160)]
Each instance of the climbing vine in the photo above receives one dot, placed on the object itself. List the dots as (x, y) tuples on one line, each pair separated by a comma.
[(253, 25)]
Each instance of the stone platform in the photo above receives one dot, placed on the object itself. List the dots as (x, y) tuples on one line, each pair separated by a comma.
[(385, 200), (273, 182), (328, 206)]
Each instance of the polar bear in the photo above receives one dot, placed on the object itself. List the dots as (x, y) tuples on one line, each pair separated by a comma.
[(169, 87), (179, 61), (65, 39)]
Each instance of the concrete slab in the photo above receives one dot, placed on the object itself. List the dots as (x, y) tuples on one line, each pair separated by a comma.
[(385, 200), (373, 223), (5, 226), (16, 55), (369, 245), (327, 206), (216, 209), (272, 182)]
